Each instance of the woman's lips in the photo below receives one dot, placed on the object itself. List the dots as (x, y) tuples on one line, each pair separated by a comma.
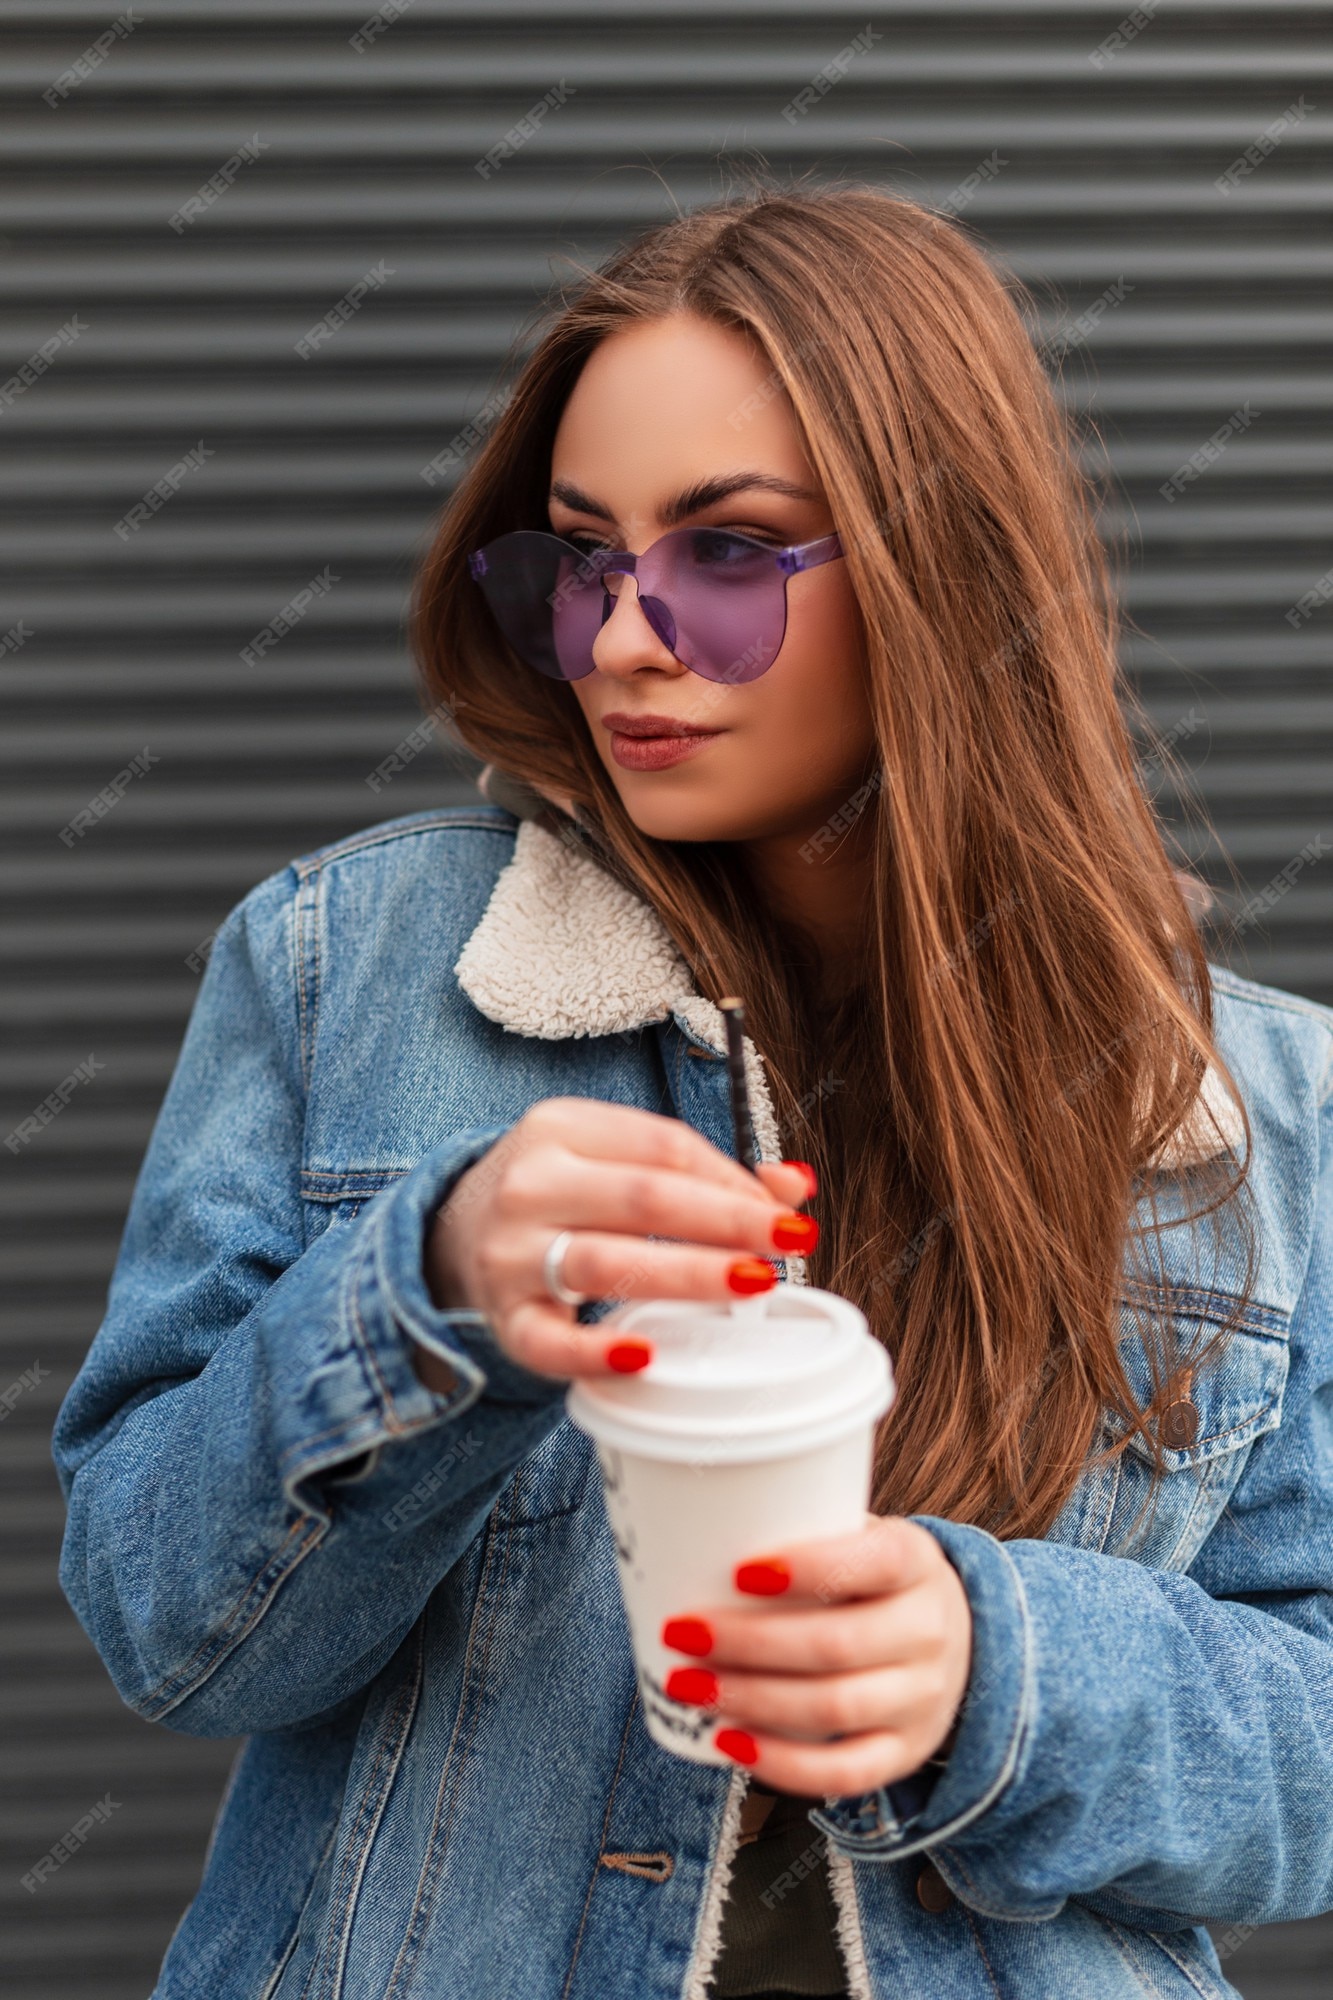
[(654, 753)]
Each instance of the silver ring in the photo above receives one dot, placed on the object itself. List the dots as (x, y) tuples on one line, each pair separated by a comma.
[(551, 1262)]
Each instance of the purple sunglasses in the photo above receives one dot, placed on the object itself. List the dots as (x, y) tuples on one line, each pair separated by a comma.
[(715, 598)]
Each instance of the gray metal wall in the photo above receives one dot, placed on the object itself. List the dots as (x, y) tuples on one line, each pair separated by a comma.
[(1097, 172)]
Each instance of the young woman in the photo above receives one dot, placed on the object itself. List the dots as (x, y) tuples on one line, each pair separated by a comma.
[(774, 606)]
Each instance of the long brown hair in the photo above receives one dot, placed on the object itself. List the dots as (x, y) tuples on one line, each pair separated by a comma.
[(1035, 1012)]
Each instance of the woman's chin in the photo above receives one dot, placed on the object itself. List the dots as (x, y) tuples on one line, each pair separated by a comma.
[(679, 819)]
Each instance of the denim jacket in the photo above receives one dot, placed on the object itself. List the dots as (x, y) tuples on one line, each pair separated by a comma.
[(408, 1602)]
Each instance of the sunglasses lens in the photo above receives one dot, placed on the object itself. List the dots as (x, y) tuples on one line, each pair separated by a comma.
[(716, 600), (531, 582), (579, 605), (728, 601)]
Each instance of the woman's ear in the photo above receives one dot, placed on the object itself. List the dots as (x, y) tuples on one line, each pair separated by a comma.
[(1198, 896)]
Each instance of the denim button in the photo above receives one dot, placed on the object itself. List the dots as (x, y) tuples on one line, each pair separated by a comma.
[(932, 1891), (1180, 1424)]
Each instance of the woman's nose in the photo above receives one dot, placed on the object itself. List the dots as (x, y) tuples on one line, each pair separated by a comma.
[(627, 641)]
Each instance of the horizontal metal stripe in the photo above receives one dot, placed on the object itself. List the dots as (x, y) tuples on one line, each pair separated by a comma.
[(1281, 538), (192, 873), (86, 1131), (43, 1634), (139, 269), (237, 802), (1239, 17), (80, 1940), (1233, 778), (1294, 969), (91, 1258), (540, 196), (347, 405), (156, 1806), (172, 606), (312, 735), (121, 338), (59, 1326), (165, 604), (55, 1198), (114, 668), (156, 1762), (189, 731), (1250, 718), (115, 139), (48, 493), (144, 1857), (1191, 528), (410, 62), (339, 483), (109, 667), (40, 1516)]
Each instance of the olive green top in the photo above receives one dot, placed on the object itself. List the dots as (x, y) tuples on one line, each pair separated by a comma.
[(779, 1916)]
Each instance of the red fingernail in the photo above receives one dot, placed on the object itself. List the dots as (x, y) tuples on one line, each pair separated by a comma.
[(764, 1579), (812, 1179), (795, 1232), (628, 1356), (692, 1684), (737, 1743), (688, 1635), (751, 1274)]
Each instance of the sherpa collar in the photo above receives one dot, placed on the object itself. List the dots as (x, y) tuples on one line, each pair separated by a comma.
[(563, 949)]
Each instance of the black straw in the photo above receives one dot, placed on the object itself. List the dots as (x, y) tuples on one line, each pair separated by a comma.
[(733, 1013)]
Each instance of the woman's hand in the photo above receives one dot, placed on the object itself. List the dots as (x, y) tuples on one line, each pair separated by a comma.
[(878, 1653), (613, 1176)]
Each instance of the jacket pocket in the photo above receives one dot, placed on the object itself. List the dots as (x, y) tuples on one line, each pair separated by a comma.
[(1208, 1430), (552, 1481), (330, 1198)]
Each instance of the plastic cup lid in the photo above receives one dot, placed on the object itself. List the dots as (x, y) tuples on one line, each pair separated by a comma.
[(739, 1385)]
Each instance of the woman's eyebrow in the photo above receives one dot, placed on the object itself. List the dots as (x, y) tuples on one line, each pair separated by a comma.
[(693, 499)]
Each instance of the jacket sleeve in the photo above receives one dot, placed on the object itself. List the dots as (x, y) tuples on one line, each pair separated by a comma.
[(1156, 1744), (230, 1579)]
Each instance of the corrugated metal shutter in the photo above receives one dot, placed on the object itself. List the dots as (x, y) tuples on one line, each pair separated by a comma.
[(1096, 168)]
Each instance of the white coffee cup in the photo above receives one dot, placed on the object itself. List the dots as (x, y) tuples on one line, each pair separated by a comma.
[(753, 1426)]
